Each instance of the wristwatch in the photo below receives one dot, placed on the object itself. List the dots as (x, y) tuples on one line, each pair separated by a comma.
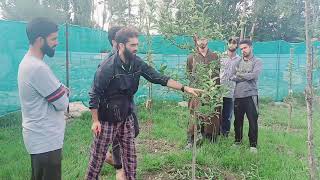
[(182, 88)]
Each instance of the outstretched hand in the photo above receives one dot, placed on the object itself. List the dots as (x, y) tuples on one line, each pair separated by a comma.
[(193, 91)]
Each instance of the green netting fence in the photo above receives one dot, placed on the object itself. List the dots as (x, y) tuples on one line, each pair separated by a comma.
[(85, 45)]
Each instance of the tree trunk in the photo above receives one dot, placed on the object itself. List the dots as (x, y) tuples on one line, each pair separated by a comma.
[(149, 55), (130, 18), (194, 147), (104, 14), (252, 29), (129, 8), (242, 32), (309, 94), (92, 11), (76, 12), (290, 116), (66, 7), (290, 91), (142, 14), (243, 21)]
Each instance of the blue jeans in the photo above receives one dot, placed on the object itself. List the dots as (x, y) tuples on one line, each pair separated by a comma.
[(227, 111)]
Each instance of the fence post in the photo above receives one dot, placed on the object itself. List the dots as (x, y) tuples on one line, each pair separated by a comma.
[(317, 62), (312, 56), (278, 71), (67, 58)]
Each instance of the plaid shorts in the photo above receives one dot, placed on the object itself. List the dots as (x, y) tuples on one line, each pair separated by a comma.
[(124, 132)]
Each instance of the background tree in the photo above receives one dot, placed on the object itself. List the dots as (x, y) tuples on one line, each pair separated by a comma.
[(262, 20), (25, 10), (315, 18), (309, 92), (120, 12), (147, 9), (226, 13), (186, 18), (290, 78), (82, 12), (274, 20), (75, 12)]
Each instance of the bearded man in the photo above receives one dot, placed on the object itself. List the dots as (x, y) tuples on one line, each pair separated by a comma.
[(228, 61), (111, 102)]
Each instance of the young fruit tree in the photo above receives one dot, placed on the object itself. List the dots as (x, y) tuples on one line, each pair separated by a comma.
[(309, 93), (183, 23)]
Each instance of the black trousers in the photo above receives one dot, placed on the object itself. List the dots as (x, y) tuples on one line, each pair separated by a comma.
[(248, 106), (46, 166)]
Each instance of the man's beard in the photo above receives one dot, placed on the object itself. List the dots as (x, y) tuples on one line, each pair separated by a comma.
[(128, 55), (232, 50), (46, 49), (246, 54), (202, 46)]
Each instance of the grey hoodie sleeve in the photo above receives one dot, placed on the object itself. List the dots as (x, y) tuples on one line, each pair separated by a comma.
[(254, 74), (234, 74)]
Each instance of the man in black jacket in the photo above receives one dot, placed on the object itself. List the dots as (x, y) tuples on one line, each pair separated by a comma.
[(114, 156), (111, 101)]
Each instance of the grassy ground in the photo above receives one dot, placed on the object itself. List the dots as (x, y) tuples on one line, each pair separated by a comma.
[(161, 154)]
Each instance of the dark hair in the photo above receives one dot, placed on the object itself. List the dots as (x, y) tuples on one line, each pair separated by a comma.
[(246, 41), (124, 34), (112, 33), (233, 40), (40, 27)]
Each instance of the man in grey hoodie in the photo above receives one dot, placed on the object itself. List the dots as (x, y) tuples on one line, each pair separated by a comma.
[(245, 74)]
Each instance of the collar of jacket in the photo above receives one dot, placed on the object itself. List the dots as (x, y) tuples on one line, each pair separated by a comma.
[(119, 64)]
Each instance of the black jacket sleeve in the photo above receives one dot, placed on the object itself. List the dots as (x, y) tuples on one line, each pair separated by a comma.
[(100, 83), (152, 75)]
